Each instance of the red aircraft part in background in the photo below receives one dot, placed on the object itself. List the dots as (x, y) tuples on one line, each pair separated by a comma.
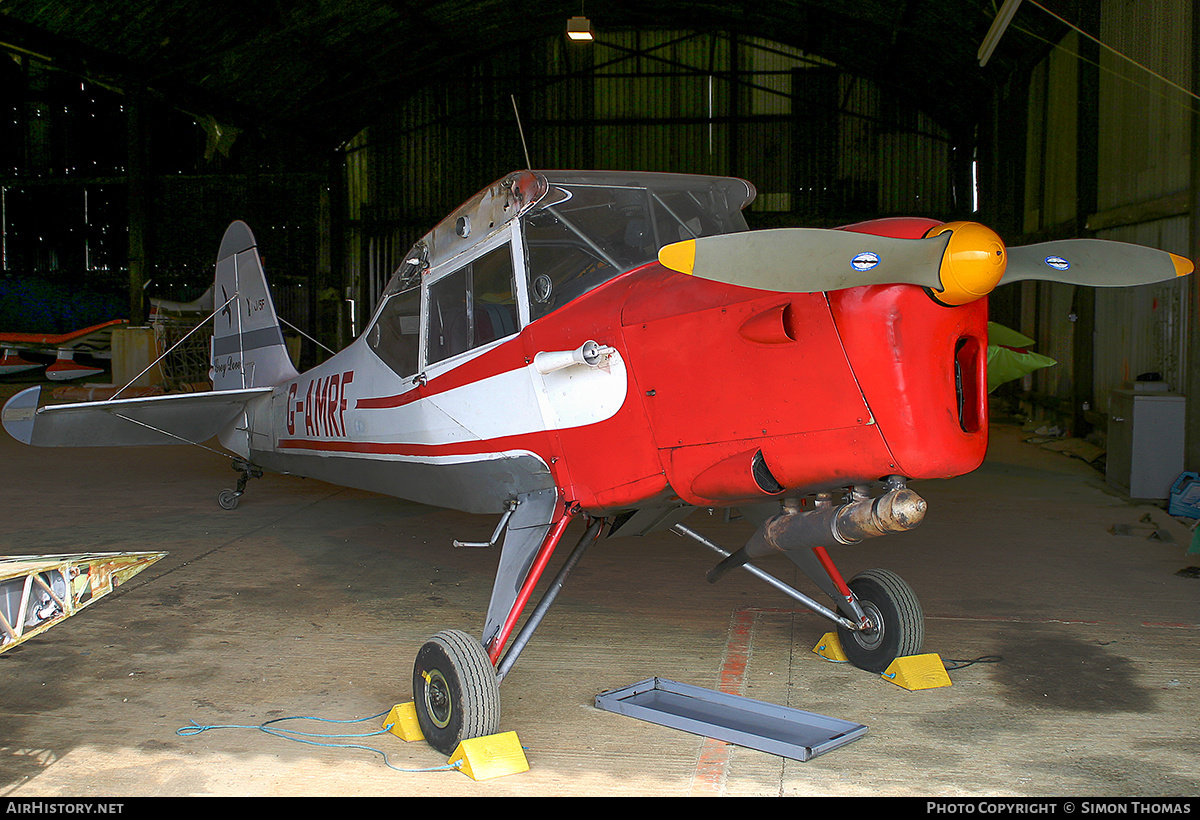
[(95, 341)]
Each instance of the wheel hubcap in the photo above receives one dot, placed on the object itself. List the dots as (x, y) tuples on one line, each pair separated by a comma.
[(872, 636), (437, 699)]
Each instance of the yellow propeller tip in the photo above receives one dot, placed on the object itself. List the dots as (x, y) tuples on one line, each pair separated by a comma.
[(679, 256), (1183, 265)]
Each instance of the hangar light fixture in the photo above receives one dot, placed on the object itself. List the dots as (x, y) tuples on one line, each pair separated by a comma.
[(579, 28)]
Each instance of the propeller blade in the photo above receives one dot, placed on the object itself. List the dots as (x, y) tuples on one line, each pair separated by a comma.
[(1097, 263), (807, 260), (958, 262)]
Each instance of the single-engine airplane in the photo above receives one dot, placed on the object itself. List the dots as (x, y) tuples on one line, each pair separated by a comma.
[(617, 347)]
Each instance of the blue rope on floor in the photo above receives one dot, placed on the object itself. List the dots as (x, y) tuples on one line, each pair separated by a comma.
[(270, 727)]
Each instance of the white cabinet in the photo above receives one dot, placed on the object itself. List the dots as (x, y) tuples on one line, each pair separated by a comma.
[(1145, 442)]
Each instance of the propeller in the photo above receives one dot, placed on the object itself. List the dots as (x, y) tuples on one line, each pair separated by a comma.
[(957, 262)]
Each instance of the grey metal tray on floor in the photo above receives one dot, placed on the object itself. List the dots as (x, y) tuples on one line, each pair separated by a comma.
[(755, 724)]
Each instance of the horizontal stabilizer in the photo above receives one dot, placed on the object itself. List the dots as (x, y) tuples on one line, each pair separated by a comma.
[(171, 419)]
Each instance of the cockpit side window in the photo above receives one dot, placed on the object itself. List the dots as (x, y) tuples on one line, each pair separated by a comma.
[(681, 215), (580, 238), (583, 234), (396, 335), (472, 306)]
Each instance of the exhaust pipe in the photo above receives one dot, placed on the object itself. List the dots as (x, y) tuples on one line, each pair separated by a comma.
[(898, 510)]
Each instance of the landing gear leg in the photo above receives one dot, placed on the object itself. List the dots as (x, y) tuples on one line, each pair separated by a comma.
[(878, 617), (456, 681), (228, 499)]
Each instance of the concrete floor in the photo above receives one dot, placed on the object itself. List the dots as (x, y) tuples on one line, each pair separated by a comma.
[(312, 600)]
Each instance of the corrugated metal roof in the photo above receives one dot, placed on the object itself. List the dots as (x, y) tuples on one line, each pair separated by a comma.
[(323, 67)]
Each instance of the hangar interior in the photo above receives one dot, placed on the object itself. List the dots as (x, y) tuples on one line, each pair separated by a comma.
[(341, 131)]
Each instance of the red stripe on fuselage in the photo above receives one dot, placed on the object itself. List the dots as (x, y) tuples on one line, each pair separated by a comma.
[(603, 302), (482, 448), (503, 358), (388, 402)]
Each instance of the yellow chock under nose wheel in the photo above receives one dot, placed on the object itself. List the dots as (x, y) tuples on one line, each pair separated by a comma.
[(830, 648), (911, 672), (917, 672)]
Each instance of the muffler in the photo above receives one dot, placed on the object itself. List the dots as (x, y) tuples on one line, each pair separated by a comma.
[(898, 510)]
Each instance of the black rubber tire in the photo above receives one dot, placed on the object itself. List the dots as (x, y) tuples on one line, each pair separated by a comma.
[(900, 623), (455, 690)]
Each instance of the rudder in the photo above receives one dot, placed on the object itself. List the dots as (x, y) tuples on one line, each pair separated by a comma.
[(247, 344)]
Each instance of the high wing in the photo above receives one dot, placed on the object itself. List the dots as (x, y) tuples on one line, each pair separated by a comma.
[(188, 417)]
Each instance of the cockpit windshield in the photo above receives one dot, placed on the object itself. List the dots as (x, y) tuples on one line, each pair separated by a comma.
[(589, 228)]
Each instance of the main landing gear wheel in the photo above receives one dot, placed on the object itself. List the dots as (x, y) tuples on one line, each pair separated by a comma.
[(897, 623), (455, 689)]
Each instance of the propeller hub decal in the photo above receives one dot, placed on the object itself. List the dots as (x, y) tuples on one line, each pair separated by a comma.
[(1058, 263), (865, 261)]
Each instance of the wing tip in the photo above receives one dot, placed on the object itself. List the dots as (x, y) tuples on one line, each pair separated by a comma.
[(19, 414)]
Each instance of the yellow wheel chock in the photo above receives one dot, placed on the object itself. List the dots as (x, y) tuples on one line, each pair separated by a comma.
[(482, 758), (910, 672)]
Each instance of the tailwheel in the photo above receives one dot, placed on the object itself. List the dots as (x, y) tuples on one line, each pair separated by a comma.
[(897, 624), (228, 499), (455, 690)]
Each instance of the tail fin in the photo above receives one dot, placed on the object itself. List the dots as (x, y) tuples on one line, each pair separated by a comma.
[(247, 344)]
